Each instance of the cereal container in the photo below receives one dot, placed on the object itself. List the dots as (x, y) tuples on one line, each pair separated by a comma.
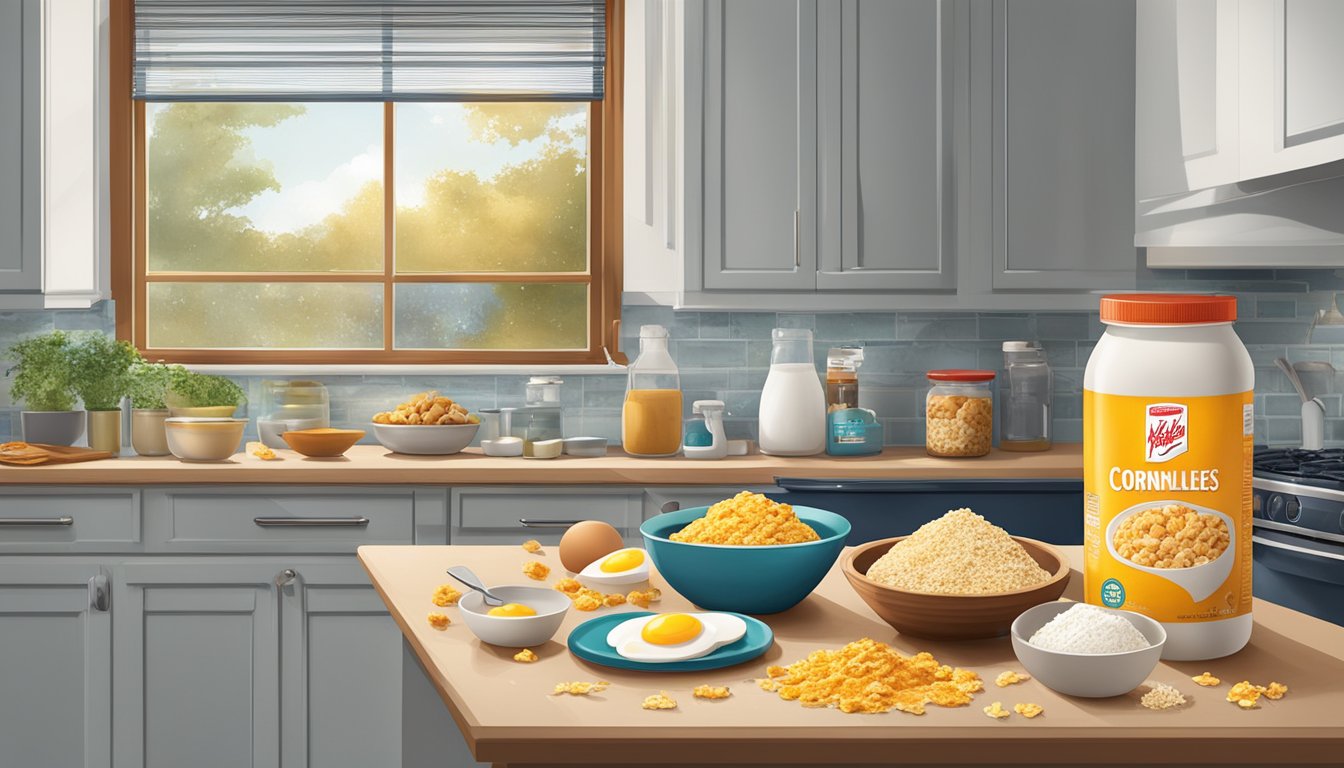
[(959, 413), (1167, 448)]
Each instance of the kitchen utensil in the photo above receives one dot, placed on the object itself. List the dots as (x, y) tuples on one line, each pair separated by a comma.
[(1313, 410), (41, 453), (651, 414), (588, 641), (203, 438), (1090, 675), (792, 418), (322, 443), (717, 446), (515, 631), (469, 578), (425, 439), (1025, 421), (952, 617), (746, 579), (586, 447)]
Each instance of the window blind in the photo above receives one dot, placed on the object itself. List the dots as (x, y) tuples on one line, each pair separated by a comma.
[(369, 50)]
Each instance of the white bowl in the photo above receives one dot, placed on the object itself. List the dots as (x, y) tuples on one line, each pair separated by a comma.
[(516, 631), (1199, 581), (425, 439), (203, 439), (1090, 675)]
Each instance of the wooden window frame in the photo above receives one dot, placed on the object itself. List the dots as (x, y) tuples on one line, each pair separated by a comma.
[(605, 258)]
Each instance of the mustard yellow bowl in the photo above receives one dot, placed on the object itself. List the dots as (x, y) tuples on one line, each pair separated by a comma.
[(322, 442)]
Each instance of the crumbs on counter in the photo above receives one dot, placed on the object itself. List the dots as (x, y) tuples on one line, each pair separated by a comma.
[(614, 600), (445, 596), (261, 451), (569, 585), (1162, 696), (997, 711), (526, 656), (642, 599), (1010, 677), (537, 571), (711, 692), (580, 689), (439, 621), (532, 545), (1247, 695), (1028, 710), (659, 700), (1206, 679), (587, 602)]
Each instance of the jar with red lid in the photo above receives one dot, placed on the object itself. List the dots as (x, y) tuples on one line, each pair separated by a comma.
[(959, 413)]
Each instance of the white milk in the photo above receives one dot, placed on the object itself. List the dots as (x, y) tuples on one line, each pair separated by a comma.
[(793, 411)]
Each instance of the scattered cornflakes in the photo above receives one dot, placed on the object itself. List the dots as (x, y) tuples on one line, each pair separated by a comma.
[(580, 689), (614, 600), (711, 692), (659, 700), (768, 685), (587, 603), (536, 571), (1274, 691), (1028, 710), (997, 711), (1162, 696), (774, 670), (568, 585), (1010, 677), (532, 545), (439, 621), (747, 518), (642, 599), (526, 656), (1245, 695), (1207, 680), (867, 676), (261, 451), (445, 596)]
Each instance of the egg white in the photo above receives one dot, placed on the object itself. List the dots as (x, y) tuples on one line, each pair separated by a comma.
[(720, 629), (594, 577)]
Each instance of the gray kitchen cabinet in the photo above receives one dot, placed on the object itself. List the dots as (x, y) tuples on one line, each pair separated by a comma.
[(892, 80), (759, 102), (20, 126), (197, 654), (1062, 149), (56, 665), (73, 520), (514, 514)]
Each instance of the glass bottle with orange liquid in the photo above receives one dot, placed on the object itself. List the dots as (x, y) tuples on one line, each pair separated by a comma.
[(651, 418)]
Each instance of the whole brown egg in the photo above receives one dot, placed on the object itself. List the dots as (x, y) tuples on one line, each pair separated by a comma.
[(586, 542)]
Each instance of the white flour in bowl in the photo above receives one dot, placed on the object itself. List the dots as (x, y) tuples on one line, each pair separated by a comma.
[(1088, 629)]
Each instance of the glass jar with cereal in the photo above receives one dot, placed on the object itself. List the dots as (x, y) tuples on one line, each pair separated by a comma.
[(959, 413)]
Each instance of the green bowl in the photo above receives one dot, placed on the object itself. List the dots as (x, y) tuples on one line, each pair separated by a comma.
[(744, 579)]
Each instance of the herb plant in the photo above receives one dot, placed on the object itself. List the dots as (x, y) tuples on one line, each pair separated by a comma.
[(42, 372), (101, 369), (188, 389), (149, 385)]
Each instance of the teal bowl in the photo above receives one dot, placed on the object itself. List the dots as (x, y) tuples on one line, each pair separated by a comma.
[(744, 579)]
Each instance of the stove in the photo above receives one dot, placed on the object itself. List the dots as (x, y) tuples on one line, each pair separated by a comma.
[(1298, 539)]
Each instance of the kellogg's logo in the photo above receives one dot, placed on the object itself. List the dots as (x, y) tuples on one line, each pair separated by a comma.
[(1166, 432)]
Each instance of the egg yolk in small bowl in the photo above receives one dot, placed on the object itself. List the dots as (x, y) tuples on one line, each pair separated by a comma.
[(622, 561), (512, 610), (671, 629)]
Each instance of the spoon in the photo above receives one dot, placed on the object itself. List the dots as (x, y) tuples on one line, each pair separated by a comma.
[(469, 579)]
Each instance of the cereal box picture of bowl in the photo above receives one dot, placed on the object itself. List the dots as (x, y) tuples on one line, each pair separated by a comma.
[(1186, 544)]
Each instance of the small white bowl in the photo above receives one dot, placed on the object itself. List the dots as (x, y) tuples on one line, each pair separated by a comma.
[(515, 631), (203, 439), (1089, 675), (425, 439)]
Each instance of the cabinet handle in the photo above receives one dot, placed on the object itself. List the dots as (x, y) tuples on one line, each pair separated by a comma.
[(98, 593), (285, 578), (670, 506), (797, 251), (311, 522), (547, 523), (25, 521)]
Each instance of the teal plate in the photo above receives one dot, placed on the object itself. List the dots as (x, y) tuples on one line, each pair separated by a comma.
[(588, 641)]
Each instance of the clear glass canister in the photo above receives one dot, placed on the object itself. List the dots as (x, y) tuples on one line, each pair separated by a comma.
[(959, 413), (1024, 413), (651, 415)]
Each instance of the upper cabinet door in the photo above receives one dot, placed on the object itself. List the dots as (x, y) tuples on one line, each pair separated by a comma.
[(1187, 121), (891, 79), (20, 124), (1292, 104), (1063, 144), (759, 172)]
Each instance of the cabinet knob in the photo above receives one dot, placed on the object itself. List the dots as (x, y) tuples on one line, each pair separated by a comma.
[(285, 577), (98, 593)]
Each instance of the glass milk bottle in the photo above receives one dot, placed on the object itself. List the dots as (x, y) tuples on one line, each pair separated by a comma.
[(651, 417), (793, 404)]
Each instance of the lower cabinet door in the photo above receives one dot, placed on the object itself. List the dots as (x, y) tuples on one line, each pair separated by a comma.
[(56, 665), (197, 654), (341, 670)]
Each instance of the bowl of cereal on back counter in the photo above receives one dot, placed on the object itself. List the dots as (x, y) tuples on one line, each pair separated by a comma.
[(427, 424), (746, 554), (958, 577)]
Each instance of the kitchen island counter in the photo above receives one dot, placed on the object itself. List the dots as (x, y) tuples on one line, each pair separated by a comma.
[(373, 464), (508, 718)]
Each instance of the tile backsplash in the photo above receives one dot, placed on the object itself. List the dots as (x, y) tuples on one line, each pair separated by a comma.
[(725, 355)]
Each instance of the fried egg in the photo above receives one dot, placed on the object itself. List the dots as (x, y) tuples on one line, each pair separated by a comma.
[(667, 637), (512, 610), (624, 566)]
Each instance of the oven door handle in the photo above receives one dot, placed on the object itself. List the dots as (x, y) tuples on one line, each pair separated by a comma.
[(1296, 549)]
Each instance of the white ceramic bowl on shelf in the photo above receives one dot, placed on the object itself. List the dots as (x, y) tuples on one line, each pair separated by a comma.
[(203, 439), (425, 439)]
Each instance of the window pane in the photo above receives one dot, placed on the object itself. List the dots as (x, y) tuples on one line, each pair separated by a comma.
[(265, 315), (492, 316), (264, 187), (491, 187)]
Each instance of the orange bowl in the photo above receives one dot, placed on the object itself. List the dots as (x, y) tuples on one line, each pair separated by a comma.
[(953, 617), (323, 442)]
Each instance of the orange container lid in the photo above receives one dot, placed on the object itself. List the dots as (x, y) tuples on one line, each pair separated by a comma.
[(1167, 309), (960, 374)]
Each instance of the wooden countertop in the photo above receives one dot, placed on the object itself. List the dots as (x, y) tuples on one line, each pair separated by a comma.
[(372, 464), (507, 717)]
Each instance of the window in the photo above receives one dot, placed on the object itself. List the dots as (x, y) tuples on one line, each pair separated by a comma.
[(272, 230)]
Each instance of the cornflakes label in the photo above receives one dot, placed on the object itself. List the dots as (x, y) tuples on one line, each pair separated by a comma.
[(1167, 508)]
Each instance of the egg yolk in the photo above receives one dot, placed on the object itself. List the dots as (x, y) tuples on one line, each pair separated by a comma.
[(625, 560), (511, 609), (671, 629)]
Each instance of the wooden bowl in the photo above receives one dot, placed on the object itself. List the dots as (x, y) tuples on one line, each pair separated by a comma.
[(322, 442), (952, 617)]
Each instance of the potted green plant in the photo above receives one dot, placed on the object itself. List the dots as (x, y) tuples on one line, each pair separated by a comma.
[(149, 387), (43, 381), (100, 369), (201, 394)]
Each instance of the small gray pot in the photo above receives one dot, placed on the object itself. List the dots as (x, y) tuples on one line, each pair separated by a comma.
[(52, 427)]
